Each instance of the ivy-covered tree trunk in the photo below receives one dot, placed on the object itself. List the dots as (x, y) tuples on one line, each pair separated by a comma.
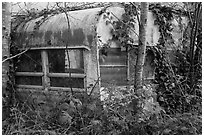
[(142, 46)]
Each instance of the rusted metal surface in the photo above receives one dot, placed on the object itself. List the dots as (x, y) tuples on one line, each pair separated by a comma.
[(53, 32)]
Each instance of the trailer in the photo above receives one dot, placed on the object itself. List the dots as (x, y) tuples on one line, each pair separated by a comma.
[(72, 55)]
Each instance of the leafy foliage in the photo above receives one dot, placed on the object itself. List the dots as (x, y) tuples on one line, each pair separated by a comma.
[(163, 15), (172, 78), (85, 116), (174, 92), (122, 28)]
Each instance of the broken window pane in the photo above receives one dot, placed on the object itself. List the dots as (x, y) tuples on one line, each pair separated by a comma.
[(30, 62), (58, 61)]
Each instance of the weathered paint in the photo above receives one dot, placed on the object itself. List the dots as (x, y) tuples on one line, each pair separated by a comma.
[(87, 29), (104, 31), (152, 35), (85, 26), (103, 28), (91, 69), (53, 32), (115, 14)]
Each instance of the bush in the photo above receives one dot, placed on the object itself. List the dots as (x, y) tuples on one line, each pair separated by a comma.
[(121, 112)]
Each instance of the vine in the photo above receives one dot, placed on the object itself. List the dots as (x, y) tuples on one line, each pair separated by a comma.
[(173, 87), (170, 93), (122, 28), (163, 17)]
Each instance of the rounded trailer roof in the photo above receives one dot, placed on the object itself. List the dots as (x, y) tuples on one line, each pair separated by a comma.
[(85, 26), (53, 31)]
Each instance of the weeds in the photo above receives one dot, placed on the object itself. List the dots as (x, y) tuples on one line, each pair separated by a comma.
[(117, 114)]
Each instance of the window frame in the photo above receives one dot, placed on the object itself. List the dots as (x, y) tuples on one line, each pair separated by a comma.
[(46, 75), (126, 66), (30, 74)]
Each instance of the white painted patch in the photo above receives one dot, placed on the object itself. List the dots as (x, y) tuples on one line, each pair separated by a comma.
[(104, 26)]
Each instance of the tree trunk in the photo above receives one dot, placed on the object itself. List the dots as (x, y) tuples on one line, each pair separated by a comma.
[(198, 50), (6, 28), (142, 47), (6, 25), (193, 42)]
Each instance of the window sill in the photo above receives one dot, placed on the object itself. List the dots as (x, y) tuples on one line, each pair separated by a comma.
[(73, 75), (37, 74), (30, 86)]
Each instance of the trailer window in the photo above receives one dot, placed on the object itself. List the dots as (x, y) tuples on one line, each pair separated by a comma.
[(62, 63), (59, 61), (29, 62), (29, 69), (51, 68), (28, 80), (113, 67)]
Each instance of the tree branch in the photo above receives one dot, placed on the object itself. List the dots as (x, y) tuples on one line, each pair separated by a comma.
[(15, 56), (137, 14), (68, 29), (124, 23)]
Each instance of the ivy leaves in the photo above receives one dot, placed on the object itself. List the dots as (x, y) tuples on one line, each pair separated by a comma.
[(123, 27), (164, 16)]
